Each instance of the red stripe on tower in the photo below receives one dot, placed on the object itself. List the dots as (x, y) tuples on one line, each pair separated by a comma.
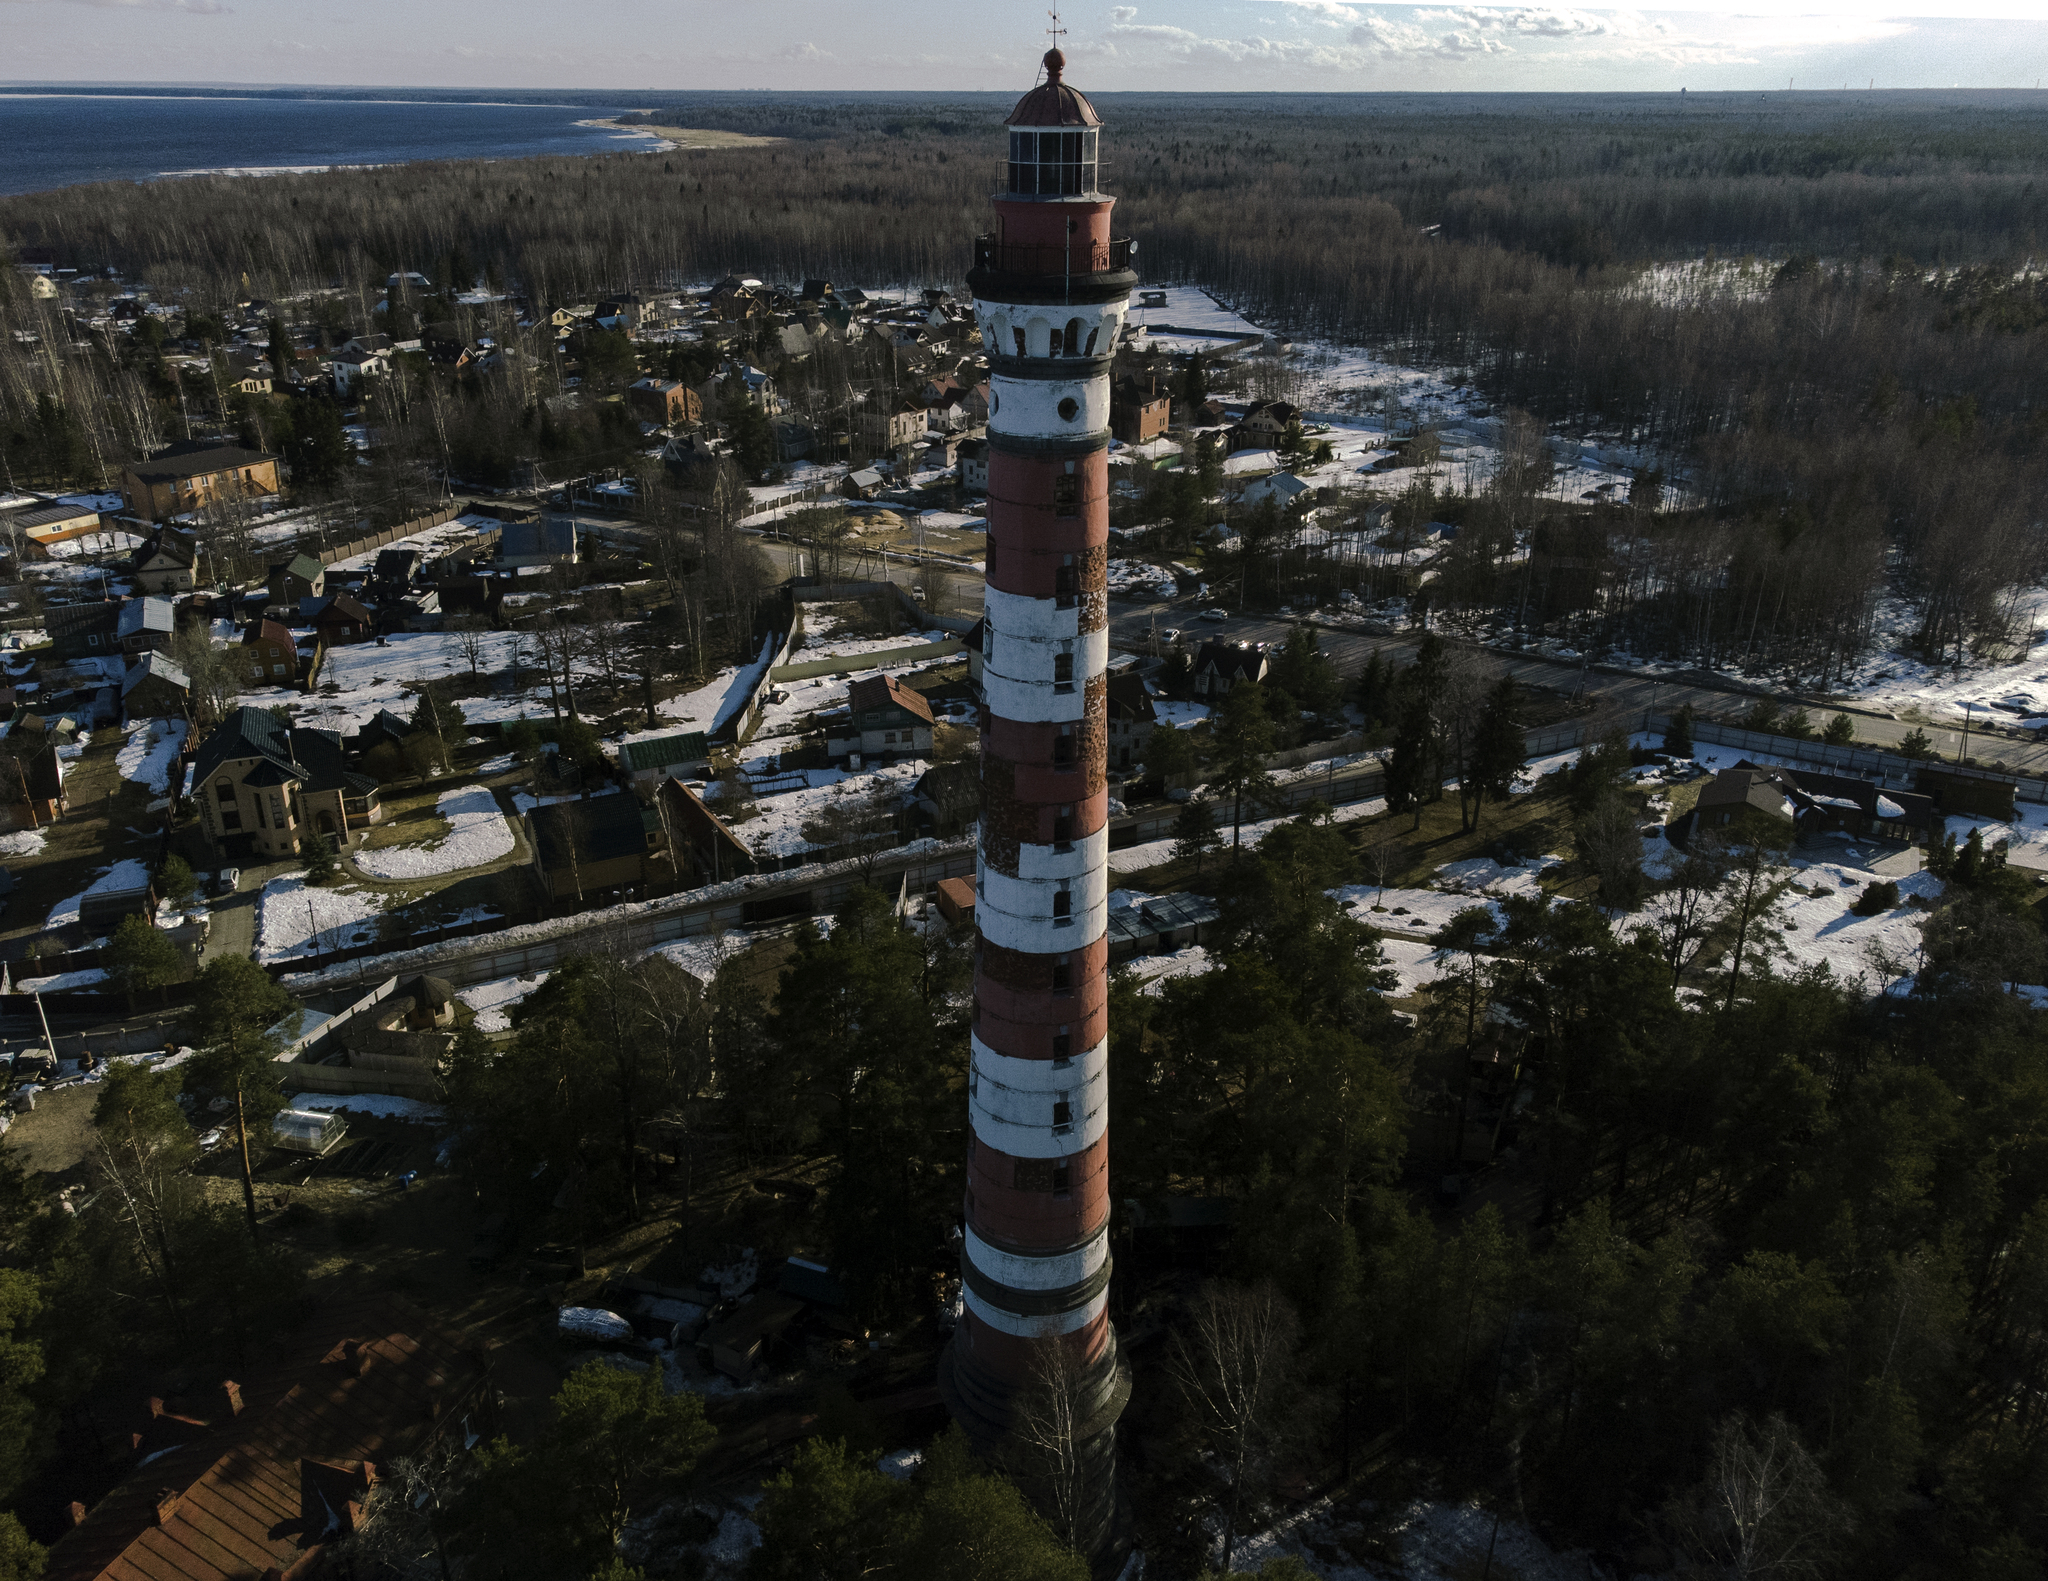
[(1051, 287)]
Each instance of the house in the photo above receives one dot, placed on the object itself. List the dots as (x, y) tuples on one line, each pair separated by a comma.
[(193, 474), (740, 381), (629, 312), (394, 569), (692, 460), (162, 562), (819, 291), (1264, 426), (1131, 718), (300, 577), (885, 427), (261, 784), (155, 687), (949, 796), (270, 654), (340, 621), (793, 341), (101, 911), (734, 299), (1810, 805), (1222, 665), (1284, 489), (551, 540), (83, 631), (862, 485), (974, 465), (884, 718), (32, 782), (582, 848), (664, 402), (350, 369), (1162, 925), (145, 624), (478, 596), (250, 375), (258, 1475), (795, 439), (384, 728), (660, 757), (1138, 413), (44, 525), (702, 847)]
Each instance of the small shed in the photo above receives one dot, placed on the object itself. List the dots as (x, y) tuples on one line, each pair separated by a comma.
[(739, 1345), (312, 1131), (956, 901)]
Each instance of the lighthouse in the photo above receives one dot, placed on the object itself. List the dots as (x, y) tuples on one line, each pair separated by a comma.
[(1051, 286)]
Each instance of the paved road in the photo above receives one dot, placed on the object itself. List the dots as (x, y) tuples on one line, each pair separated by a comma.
[(1132, 624)]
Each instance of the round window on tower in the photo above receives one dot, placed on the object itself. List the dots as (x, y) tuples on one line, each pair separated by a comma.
[(1070, 408), (995, 403)]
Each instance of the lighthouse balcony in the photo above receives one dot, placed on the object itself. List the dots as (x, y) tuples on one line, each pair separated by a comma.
[(1081, 256)]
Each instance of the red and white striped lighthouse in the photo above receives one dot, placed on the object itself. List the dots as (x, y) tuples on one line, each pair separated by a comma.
[(1051, 288)]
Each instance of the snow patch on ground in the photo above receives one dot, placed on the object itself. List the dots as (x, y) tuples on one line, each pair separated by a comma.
[(294, 919), (382, 1104), (493, 1001), (1481, 875), (702, 958), (477, 834), (126, 874), (1155, 970), (23, 842), (150, 752)]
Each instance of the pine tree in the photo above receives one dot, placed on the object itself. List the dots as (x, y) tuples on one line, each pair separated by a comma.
[(1408, 778), (1678, 732), (1495, 761), (1194, 832), (1244, 738)]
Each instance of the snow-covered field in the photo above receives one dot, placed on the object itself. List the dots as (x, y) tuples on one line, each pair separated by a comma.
[(477, 833), (295, 919), (702, 958), (368, 677), (776, 829), (150, 752)]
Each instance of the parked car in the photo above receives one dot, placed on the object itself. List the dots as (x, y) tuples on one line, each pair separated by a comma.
[(1170, 635), (1215, 614), (229, 881)]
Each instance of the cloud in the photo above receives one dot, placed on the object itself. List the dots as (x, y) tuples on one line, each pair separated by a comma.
[(1123, 13), (806, 52)]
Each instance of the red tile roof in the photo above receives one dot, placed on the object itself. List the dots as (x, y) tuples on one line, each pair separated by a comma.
[(241, 1496)]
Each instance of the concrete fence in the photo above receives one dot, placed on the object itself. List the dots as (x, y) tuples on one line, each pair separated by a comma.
[(328, 554), (1890, 769)]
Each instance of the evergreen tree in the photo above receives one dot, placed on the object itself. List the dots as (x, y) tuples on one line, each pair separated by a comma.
[(1678, 732), (1409, 779), (140, 957), (1194, 390), (1243, 736), (236, 1007), (317, 858), (1305, 673), (1194, 832), (1498, 748)]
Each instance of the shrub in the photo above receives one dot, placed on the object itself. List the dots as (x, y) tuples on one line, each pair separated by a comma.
[(1876, 900)]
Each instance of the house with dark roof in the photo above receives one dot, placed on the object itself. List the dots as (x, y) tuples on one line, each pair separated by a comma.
[(193, 474), (1222, 665), (583, 848), (270, 654), (265, 786), (83, 631), (300, 577), (340, 620), (384, 728), (162, 562), (949, 795), (1808, 804), (883, 718), (550, 540), (32, 782), (1138, 411), (1131, 718), (32, 531), (258, 1476), (1264, 426), (154, 687)]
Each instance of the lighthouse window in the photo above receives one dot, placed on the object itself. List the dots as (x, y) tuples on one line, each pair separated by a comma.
[(1020, 347), (1063, 748), (1066, 501), (1073, 337), (1062, 978), (1069, 408), (1063, 907), (1063, 672), (1062, 1114), (1062, 1179)]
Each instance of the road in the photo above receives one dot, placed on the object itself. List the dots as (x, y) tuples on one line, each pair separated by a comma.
[(1131, 625)]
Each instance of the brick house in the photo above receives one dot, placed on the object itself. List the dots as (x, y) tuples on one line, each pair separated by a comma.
[(664, 402), (270, 654), (1138, 413)]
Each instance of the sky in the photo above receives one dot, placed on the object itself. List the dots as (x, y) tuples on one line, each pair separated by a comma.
[(1205, 46)]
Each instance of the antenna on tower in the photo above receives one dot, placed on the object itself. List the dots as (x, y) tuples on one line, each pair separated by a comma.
[(1055, 32)]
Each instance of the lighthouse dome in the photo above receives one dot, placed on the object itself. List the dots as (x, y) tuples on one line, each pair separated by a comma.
[(1052, 102)]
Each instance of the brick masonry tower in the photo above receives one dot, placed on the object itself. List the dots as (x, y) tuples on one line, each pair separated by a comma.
[(1051, 288)]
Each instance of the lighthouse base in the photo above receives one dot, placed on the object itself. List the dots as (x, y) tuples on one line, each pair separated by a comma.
[(984, 1404)]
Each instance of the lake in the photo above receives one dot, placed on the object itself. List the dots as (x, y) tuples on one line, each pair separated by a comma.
[(56, 137)]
